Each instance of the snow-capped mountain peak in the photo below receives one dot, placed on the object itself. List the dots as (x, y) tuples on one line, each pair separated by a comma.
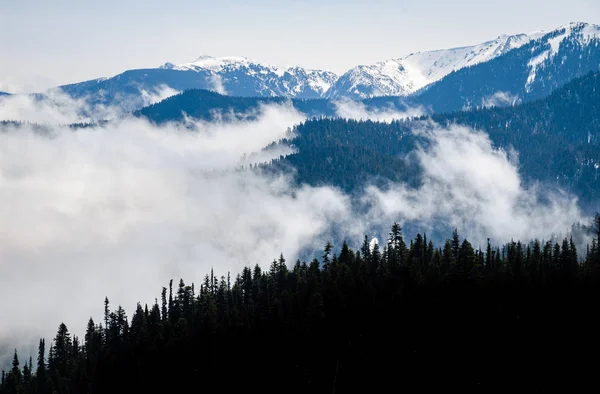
[(216, 64), (401, 76), (231, 73), (406, 75)]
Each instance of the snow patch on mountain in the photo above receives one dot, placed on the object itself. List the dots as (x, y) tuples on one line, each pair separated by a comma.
[(227, 63), (583, 33)]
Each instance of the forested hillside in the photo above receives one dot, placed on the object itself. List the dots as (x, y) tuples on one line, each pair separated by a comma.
[(409, 315), (557, 140), (204, 104), (351, 154), (207, 105)]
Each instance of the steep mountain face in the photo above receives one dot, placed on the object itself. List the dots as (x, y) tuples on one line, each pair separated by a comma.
[(529, 72), (240, 76), (406, 75)]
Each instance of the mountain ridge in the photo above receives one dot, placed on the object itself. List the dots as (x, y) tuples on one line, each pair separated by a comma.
[(529, 72), (462, 77), (408, 74), (295, 82)]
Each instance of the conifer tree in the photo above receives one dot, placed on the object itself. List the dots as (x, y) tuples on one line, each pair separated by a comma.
[(40, 373)]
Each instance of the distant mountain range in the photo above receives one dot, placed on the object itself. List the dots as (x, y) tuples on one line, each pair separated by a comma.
[(234, 76), (503, 71), (243, 77)]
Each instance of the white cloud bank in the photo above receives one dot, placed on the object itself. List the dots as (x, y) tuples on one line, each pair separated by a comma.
[(500, 99), (119, 210), (472, 186), (346, 108), (56, 107)]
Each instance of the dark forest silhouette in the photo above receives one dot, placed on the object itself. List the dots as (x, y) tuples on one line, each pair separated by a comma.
[(406, 315)]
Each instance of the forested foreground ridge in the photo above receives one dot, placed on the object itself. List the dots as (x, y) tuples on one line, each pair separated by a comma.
[(406, 315)]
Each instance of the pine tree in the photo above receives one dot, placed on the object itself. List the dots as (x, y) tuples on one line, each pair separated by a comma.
[(448, 259), (465, 261), (163, 309), (106, 314), (517, 259), (365, 250), (16, 377), (62, 351), (40, 374), (27, 377), (326, 256), (455, 244), (488, 256)]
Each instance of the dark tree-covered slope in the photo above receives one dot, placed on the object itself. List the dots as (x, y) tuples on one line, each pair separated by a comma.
[(411, 316), (203, 104), (351, 154), (557, 138)]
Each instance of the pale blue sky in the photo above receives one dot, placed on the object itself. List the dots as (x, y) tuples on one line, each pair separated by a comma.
[(50, 42)]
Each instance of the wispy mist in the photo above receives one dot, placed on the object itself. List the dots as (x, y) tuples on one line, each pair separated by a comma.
[(472, 186), (57, 107), (499, 99), (53, 107), (217, 84), (157, 94), (118, 210), (346, 108)]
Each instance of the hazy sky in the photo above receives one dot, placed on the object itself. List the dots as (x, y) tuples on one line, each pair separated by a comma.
[(46, 43)]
